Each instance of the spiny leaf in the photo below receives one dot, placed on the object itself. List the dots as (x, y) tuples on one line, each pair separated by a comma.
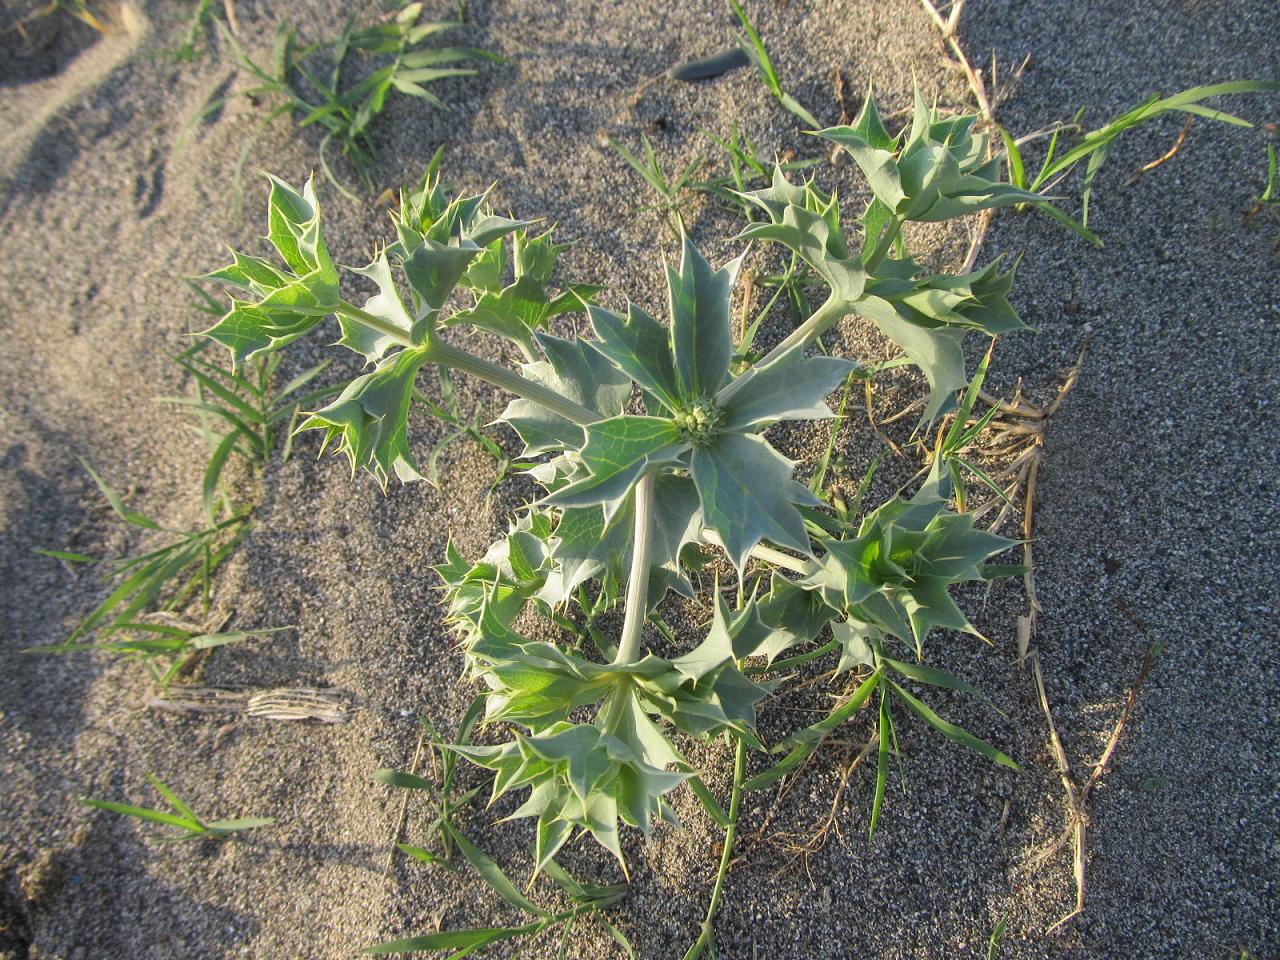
[(387, 306), (370, 418), (792, 387), (748, 495), (616, 453), (701, 344), (576, 371)]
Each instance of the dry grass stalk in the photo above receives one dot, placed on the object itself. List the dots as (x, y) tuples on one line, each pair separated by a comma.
[(281, 703), (1078, 797), (404, 804), (1165, 158)]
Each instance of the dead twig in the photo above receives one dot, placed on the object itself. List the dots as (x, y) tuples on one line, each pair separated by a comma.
[(830, 822), (948, 27), (229, 8), (1078, 796), (1169, 155), (869, 392), (281, 703), (404, 803), (748, 298)]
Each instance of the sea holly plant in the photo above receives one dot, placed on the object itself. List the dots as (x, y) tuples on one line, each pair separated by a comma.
[(650, 437)]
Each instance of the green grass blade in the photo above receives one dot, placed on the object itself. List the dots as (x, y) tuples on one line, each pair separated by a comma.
[(950, 730), (66, 555), (174, 800), (810, 738), (403, 781), (464, 941), (117, 505), (207, 641), (1017, 172), (882, 761), (422, 856), (223, 827), (491, 873), (144, 813), (213, 473), (229, 397)]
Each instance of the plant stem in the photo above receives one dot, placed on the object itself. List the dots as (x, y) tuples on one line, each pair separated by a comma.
[(440, 352), (638, 580), (511, 381), (795, 661), (884, 245), (707, 937), (825, 316), (770, 555), (374, 323)]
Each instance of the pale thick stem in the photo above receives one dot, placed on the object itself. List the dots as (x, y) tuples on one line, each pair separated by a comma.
[(512, 382), (769, 555), (638, 580), (440, 352), (884, 245), (824, 317), (374, 323)]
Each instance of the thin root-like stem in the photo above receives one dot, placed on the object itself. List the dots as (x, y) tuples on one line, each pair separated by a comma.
[(883, 437), (948, 28), (404, 803), (1165, 158), (707, 936), (1078, 797)]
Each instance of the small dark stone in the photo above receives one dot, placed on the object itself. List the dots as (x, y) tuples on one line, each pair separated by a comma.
[(705, 68)]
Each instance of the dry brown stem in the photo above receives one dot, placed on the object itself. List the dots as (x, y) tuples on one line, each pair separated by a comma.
[(1172, 152)]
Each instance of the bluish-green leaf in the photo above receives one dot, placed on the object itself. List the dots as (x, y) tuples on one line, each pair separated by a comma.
[(616, 453), (701, 341), (748, 495), (575, 371), (791, 387), (640, 347), (386, 305), (935, 350), (370, 418)]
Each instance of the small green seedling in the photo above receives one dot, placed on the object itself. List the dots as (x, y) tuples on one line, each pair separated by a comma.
[(747, 171), (182, 817), (1269, 199), (448, 413), (247, 402), (311, 85), (1094, 145), (754, 48), (164, 578), (193, 38), (997, 935), (164, 644), (668, 190), (446, 799)]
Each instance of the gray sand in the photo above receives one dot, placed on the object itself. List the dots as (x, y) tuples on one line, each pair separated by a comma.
[(1159, 493)]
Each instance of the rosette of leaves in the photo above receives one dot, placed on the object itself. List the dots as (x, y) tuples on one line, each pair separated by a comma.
[(893, 578), (889, 582), (443, 246), (937, 169), (311, 82), (649, 440), (593, 776), (699, 420)]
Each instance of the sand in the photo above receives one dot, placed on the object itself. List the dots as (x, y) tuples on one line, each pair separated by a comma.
[(1158, 498)]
